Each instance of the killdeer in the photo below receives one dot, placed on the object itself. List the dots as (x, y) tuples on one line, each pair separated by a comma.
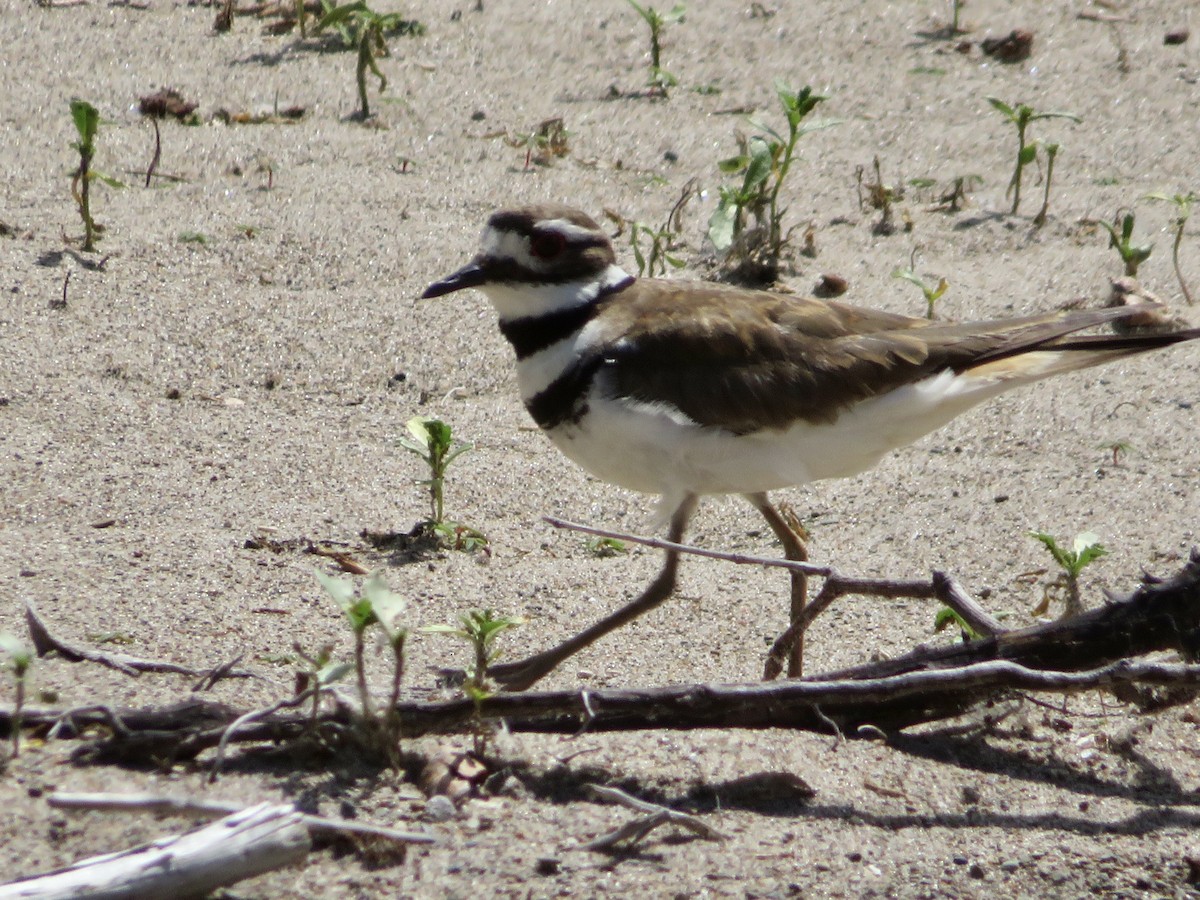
[(689, 388)]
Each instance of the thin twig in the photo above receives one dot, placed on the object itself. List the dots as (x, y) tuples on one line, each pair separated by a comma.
[(44, 642), (254, 716), (661, 544), (653, 816)]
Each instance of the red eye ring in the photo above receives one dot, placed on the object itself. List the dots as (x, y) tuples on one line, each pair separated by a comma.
[(547, 245)]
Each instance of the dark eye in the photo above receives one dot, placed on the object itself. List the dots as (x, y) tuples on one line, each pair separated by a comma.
[(547, 245)]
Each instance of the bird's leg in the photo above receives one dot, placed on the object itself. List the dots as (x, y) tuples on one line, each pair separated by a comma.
[(794, 549), (517, 676)]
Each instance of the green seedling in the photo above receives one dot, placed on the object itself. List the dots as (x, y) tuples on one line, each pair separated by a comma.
[(1051, 153), (1117, 449), (1022, 116), (932, 294), (764, 164), (1132, 255), (1183, 211), (946, 617), (479, 628), (1085, 549), (87, 123), (659, 254), (365, 30), (660, 79), (605, 546), (374, 605), (542, 145), (19, 661), (433, 441)]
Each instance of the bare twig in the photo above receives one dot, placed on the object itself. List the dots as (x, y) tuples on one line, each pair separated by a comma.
[(661, 544), (941, 587), (44, 642)]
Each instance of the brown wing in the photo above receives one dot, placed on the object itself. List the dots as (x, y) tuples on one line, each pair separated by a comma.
[(746, 361)]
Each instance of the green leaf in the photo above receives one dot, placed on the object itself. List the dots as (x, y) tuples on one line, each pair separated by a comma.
[(386, 606), (761, 163), (20, 656), (340, 14), (1003, 107), (340, 589), (733, 164), (721, 223), (1028, 153), (333, 672), (87, 120)]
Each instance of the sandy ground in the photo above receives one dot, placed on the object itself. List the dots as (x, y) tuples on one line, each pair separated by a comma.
[(194, 394)]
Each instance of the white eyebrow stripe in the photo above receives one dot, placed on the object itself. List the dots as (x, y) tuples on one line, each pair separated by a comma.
[(568, 229)]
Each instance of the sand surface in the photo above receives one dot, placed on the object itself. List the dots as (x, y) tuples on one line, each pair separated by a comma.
[(240, 355)]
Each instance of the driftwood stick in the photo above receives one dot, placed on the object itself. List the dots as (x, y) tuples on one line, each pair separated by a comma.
[(319, 827), (248, 843)]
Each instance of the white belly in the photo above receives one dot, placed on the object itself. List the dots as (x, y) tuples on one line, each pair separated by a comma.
[(656, 450)]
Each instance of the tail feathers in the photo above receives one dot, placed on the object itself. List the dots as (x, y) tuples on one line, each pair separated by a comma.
[(1070, 353)]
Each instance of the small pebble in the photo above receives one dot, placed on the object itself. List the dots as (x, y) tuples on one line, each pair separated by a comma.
[(440, 808)]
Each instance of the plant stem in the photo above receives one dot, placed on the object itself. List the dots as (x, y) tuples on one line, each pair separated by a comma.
[(361, 672), (1187, 294), (1051, 153), (1022, 121), (364, 61)]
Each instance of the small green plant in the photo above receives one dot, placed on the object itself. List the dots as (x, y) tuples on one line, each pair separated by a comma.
[(479, 628), (87, 123), (365, 30), (433, 441), (1132, 255), (1085, 549), (764, 164), (542, 145), (932, 294), (946, 617), (605, 546), (1022, 116), (1117, 449), (374, 605), (660, 79), (1183, 211), (659, 254), (20, 660)]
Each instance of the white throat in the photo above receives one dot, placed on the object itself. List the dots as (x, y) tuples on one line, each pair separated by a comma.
[(523, 300)]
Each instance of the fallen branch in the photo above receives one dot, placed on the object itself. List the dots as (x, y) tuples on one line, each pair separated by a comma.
[(1089, 651), (250, 842), (318, 827)]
